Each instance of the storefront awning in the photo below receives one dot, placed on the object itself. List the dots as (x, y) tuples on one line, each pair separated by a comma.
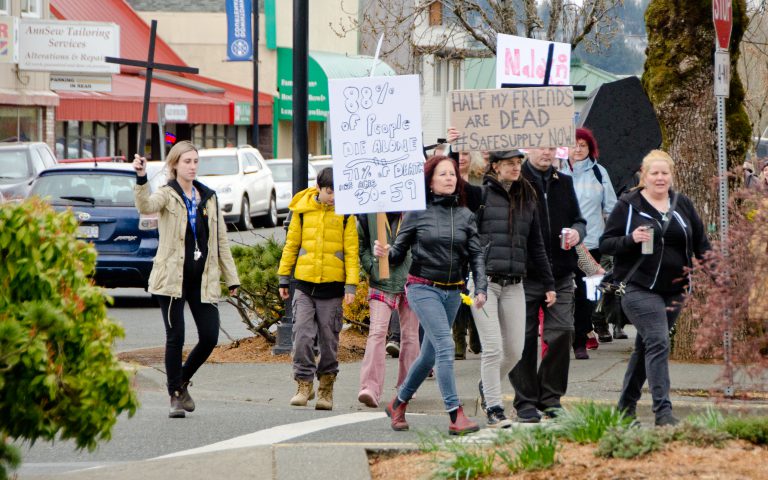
[(322, 66), (22, 97), (208, 101)]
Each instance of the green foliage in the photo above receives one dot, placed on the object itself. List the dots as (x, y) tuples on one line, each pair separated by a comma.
[(587, 422), (430, 442), (506, 436), (537, 451), (58, 375), (751, 429), (711, 418), (10, 458), (357, 313), (628, 442), (467, 462), (258, 300), (699, 435)]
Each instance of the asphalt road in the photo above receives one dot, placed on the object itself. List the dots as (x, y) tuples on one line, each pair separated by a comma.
[(233, 401)]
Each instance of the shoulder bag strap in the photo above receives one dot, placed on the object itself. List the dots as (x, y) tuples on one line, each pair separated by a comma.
[(640, 260)]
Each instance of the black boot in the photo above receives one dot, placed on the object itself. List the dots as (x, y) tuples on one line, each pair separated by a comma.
[(176, 410), (186, 399)]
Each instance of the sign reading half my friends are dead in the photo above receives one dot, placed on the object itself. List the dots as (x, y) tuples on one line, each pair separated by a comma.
[(503, 119)]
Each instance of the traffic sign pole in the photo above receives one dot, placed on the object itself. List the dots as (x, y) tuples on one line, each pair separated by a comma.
[(722, 16)]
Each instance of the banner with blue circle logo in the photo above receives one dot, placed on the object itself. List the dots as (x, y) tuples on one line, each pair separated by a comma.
[(239, 31)]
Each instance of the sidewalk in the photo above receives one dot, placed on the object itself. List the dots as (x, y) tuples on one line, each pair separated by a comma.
[(597, 379)]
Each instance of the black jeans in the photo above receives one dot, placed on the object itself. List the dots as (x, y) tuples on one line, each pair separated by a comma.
[(394, 327), (206, 317), (582, 315), (542, 388), (653, 315)]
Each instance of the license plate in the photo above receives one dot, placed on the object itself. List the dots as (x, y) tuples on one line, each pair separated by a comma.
[(88, 231)]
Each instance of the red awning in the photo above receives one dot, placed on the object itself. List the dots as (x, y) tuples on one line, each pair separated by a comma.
[(124, 103)]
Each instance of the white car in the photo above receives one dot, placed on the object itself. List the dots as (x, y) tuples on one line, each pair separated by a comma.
[(282, 171), (243, 184)]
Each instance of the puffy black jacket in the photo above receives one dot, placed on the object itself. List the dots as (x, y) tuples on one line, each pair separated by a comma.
[(508, 249), (442, 239), (558, 209), (664, 270)]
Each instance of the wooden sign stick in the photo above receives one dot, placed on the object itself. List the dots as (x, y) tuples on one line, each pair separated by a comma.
[(381, 230)]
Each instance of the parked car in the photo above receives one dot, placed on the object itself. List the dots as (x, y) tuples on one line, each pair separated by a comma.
[(101, 196), (243, 184), (282, 172), (20, 163)]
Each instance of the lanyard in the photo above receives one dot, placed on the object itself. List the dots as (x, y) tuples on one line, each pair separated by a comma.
[(192, 215)]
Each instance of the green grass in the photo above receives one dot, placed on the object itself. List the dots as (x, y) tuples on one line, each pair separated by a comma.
[(588, 422), (537, 451), (466, 463)]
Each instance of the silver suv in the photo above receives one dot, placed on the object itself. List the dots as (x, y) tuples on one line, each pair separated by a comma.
[(20, 163)]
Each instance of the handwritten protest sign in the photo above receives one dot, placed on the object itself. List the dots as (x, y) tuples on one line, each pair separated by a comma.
[(378, 162), (521, 60), (503, 119)]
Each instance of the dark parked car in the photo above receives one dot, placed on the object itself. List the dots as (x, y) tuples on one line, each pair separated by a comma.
[(101, 196), (20, 163)]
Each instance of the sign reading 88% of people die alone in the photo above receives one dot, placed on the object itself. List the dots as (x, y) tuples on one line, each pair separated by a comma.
[(376, 139)]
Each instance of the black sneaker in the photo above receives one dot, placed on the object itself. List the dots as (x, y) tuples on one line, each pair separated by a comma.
[(496, 418), (667, 420), (550, 413), (603, 334), (618, 333), (530, 415), (483, 405), (393, 349)]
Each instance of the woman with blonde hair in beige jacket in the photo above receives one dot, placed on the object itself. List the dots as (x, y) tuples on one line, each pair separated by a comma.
[(192, 256)]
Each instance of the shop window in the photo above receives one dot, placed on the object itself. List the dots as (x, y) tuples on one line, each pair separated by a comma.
[(214, 136), (82, 139), (31, 8), (5, 8), (437, 72), (21, 124)]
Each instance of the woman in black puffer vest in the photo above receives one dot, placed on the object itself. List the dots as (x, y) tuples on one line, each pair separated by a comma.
[(509, 229)]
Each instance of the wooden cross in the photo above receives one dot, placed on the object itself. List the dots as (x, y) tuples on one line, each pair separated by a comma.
[(150, 65)]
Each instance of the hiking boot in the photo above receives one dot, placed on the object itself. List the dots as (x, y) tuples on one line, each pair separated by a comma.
[(393, 349), (325, 392), (304, 393), (580, 353), (176, 410), (483, 405), (397, 415), (496, 418), (367, 398), (462, 424), (529, 415), (186, 399), (618, 333), (667, 420)]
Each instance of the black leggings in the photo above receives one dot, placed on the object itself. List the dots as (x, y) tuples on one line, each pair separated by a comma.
[(582, 314), (206, 317)]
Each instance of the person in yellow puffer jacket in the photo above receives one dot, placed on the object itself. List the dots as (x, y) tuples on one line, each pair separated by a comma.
[(323, 248)]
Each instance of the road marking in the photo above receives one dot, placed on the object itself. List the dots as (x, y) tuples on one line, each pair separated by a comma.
[(281, 433)]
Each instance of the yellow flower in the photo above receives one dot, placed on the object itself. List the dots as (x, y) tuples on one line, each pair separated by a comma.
[(466, 299)]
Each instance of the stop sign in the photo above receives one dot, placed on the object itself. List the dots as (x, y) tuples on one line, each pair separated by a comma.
[(722, 14)]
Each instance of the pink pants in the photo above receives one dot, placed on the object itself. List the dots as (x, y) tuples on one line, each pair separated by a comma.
[(373, 368)]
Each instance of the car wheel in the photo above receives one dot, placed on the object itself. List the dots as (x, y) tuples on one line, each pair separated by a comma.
[(245, 216), (270, 219)]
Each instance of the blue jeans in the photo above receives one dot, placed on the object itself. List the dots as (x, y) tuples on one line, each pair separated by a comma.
[(653, 315), (436, 309)]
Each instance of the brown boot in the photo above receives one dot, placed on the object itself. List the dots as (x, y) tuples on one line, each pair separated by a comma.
[(462, 424), (325, 392), (305, 393), (397, 415)]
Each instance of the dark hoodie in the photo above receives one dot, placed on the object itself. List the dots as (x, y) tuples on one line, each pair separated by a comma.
[(664, 270)]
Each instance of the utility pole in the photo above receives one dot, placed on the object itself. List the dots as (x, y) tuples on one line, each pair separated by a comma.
[(255, 118)]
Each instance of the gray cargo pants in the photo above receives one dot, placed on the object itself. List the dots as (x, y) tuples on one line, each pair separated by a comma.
[(315, 317)]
